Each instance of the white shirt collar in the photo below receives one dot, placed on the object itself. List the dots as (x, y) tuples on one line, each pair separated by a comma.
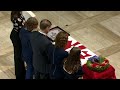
[(43, 33), (35, 30)]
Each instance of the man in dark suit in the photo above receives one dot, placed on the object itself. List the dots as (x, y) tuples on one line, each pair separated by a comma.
[(26, 48), (40, 43)]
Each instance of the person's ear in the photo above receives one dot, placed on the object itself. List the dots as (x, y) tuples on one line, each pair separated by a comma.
[(47, 28)]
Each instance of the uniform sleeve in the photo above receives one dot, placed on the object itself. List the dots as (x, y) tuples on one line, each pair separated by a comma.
[(64, 54), (61, 56)]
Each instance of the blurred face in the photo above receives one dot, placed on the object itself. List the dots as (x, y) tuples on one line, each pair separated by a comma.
[(47, 29)]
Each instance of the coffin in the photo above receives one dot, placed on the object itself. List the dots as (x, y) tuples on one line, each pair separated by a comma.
[(85, 52)]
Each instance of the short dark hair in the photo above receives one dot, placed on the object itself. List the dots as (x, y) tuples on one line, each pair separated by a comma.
[(31, 22), (44, 24)]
